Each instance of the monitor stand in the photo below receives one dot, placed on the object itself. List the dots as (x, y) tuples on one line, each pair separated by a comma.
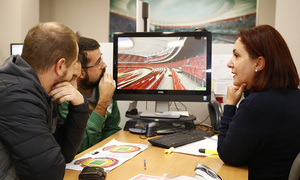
[(137, 124), (161, 111), (161, 106), (167, 122), (143, 130)]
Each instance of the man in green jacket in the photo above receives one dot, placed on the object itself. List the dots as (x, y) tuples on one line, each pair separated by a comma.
[(98, 88)]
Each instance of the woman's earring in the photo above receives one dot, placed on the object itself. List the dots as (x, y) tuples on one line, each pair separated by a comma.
[(255, 70)]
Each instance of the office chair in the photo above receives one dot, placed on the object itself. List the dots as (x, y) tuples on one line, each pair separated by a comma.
[(295, 170)]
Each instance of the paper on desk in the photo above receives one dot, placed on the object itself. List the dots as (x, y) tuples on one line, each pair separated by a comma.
[(193, 148), (178, 177), (182, 113), (109, 156), (145, 177), (164, 177)]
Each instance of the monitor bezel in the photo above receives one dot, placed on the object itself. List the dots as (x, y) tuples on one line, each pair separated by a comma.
[(11, 47), (163, 95)]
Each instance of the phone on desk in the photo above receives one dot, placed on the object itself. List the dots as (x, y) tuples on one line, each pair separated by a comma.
[(215, 112)]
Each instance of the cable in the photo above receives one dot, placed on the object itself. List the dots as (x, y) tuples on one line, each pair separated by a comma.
[(141, 133), (174, 128), (204, 119), (146, 105), (201, 124), (185, 108), (177, 108)]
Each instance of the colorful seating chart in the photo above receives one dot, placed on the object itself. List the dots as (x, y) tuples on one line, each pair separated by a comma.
[(110, 156)]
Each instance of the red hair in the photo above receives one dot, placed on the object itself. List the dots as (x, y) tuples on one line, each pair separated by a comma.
[(280, 71)]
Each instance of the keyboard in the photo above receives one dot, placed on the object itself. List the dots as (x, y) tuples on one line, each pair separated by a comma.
[(180, 138)]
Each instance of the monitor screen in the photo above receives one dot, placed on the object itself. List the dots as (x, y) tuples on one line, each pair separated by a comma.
[(162, 66), (16, 48)]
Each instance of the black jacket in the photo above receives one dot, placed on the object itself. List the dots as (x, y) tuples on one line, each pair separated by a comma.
[(28, 147)]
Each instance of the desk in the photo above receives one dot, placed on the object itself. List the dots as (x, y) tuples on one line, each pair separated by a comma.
[(159, 163)]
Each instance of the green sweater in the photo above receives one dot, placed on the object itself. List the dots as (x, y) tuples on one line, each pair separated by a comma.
[(98, 127)]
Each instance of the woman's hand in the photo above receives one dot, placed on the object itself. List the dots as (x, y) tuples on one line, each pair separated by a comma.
[(234, 93)]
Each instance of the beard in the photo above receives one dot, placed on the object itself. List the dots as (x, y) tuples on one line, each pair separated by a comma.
[(61, 78), (86, 84)]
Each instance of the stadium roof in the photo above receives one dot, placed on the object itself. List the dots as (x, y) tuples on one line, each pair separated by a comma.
[(187, 12)]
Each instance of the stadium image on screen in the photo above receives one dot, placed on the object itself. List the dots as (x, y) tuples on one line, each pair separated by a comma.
[(162, 63), (162, 66)]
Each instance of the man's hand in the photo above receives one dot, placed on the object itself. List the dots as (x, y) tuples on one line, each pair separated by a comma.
[(107, 86), (64, 91), (234, 93)]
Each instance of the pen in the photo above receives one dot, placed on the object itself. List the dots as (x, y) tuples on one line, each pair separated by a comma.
[(145, 164), (208, 151)]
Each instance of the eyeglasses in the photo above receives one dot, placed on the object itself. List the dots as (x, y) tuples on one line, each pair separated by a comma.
[(98, 65)]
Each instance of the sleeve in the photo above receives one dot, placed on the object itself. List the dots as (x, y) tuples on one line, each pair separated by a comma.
[(112, 122), (24, 131), (99, 127), (72, 131), (63, 110), (93, 131), (238, 135)]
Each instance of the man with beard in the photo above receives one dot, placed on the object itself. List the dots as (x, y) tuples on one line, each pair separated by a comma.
[(98, 87), (32, 145)]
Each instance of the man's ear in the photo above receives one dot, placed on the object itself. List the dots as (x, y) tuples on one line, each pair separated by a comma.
[(260, 64), (83, 74), (60, 67)]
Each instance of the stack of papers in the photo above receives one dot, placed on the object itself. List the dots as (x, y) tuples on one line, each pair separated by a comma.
[(193, 148)]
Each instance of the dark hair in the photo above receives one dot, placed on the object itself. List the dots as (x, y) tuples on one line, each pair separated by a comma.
[(46, 43), (280, 71), (86, 44)]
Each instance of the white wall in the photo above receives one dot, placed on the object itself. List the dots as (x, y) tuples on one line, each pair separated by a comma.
[(88, 17), (288, 24), (283, 15), (266, 12), (16, 17)]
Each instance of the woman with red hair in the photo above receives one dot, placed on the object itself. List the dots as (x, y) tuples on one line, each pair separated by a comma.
[(263, 132)]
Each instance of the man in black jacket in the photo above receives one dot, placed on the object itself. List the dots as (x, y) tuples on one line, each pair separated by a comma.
[(32, 146)]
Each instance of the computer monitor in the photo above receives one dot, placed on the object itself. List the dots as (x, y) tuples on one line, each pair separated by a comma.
[(16, 48), (162, 66)]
